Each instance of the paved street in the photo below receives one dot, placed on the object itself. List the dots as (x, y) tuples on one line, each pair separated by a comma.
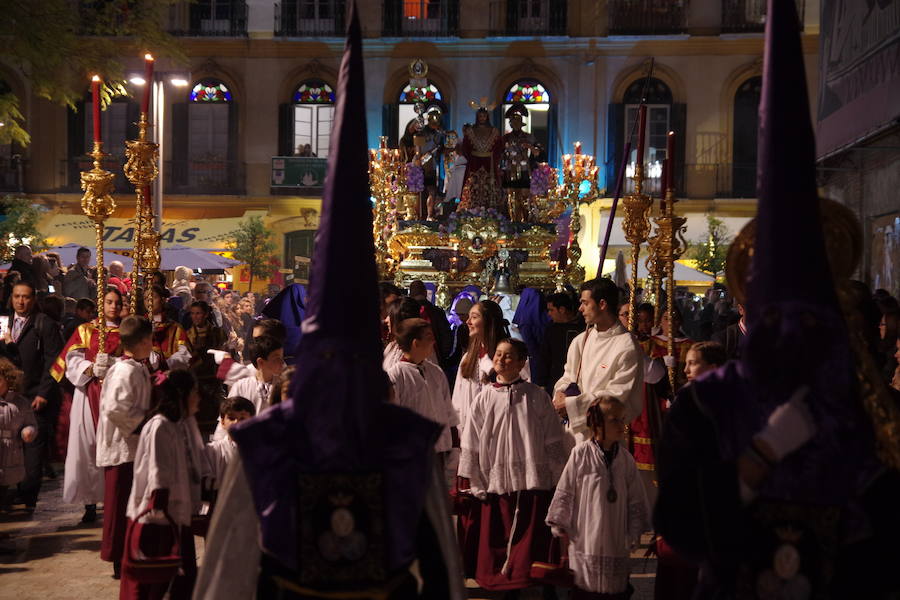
[(51, 556)]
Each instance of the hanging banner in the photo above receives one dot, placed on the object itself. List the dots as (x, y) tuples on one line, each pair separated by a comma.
[(859, 71)]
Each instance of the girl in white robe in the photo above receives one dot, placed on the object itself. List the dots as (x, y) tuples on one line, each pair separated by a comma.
[(169, 463), (513, 452), (601, 506)]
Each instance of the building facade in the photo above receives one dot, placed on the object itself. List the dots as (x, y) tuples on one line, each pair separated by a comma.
[(261, 75)]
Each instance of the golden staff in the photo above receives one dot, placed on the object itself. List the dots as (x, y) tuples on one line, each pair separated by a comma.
[(141, 169), (636, 225), (98, 204)]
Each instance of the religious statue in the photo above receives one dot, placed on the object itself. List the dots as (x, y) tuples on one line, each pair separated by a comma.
[(430, 144), (482, 146), (454, 166), (516, 163)]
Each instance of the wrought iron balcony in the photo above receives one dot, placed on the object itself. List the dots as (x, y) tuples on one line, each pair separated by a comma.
[(647, 17), (748, 16), (214, 18), (12, 174), (72, 168), (420, 18), (528, 17), (309, 18), (205, 176)]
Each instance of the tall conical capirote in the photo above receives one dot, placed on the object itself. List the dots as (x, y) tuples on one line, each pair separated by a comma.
[(789, 261), (337, 419)]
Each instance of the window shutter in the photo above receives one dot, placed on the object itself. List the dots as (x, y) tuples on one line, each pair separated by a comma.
[(452, 17), (235, 169), (553, 136), (286, 129), (512, 16), (179, 163), (558, 17), (392, 17), (496, 119), (77, 142), (678, 122), (615, 142), (389, 123)]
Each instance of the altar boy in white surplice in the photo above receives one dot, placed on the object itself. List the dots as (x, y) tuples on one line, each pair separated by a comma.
[(600, 505), (512, 456), (603, 361)]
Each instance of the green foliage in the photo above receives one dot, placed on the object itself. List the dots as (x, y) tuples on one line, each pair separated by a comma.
[(58, 44), (711, 250), (20, 226), (11, 117), (253, 246)]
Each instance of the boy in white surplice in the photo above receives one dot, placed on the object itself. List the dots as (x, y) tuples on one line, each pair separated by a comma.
[(601, 505)]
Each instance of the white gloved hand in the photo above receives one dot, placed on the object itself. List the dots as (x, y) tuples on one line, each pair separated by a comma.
[(102, 364), (218, 355), (789, 427), (669, 361)]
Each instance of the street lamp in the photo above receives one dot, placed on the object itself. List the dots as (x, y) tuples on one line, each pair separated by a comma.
[(177, 79)]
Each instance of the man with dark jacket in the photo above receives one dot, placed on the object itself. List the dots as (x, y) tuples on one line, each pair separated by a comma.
[(732, 337), (439, 324), (566, 323), (33, 342)]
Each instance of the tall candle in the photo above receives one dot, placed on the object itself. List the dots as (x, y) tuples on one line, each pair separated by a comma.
[(95, 95), (642, 133), (148, 83), (670, 157)]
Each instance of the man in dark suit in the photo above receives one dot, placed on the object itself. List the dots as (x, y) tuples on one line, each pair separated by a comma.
[(32, 342), (732, 337), (439, 324)]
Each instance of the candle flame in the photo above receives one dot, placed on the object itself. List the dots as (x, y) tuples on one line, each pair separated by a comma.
[(95, 78), (148, 56)]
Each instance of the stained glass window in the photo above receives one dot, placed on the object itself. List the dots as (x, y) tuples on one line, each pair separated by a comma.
[(528, 92), (411, 95), (210, 91), (314, 91)]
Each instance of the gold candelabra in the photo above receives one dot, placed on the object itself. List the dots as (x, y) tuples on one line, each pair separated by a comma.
[(636, 224), (141, 169), (577, 168), (98, 204), (666, 247), (386, 183)]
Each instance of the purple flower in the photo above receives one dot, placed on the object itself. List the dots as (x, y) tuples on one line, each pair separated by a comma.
[(415, 178)]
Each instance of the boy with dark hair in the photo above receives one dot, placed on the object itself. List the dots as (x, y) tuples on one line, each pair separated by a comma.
[(124, 402), (605, 360), (419, 384), (266, 354), (565, 324), (221, 451)]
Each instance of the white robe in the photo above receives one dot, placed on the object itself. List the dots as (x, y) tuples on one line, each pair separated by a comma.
[(465, 390), (427, 394), (601, 533), (456, 174), (612, 364), (168, 456), (83, 480), (124, 402), (219, 453), (513, 441), (392, 355), (252, 389)]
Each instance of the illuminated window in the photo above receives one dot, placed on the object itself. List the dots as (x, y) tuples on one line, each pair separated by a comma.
[(210, 91), (313, 118)]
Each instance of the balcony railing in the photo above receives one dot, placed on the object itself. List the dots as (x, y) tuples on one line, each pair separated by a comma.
[(647, 17), (420, 18), (528, 17), (748, 16), (214, 18), (205, 176), (12, 174), (701, 181), (309, 18), (72, 168)]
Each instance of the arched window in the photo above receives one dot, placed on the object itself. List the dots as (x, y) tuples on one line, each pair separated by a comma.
[(313, 113), (204, 135), (745, 125), (663, 115), (430, 96), (537, 99)]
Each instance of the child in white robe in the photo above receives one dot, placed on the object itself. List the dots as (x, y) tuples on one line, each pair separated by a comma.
[(419, 384), (222, 451), (601, 506), (169, 466), (17, 426), (124, 402), (512, 456)]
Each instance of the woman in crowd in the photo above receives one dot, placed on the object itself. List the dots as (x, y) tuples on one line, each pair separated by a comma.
[(169, 338)]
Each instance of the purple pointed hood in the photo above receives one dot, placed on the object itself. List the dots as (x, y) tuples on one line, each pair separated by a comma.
[(337, 419)]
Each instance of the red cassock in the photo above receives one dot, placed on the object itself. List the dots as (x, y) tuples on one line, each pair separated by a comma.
[(483, 149)]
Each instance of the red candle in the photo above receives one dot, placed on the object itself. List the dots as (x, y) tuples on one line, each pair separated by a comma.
[(642, 133), (670, 158), (148, 83), (95, 94)]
